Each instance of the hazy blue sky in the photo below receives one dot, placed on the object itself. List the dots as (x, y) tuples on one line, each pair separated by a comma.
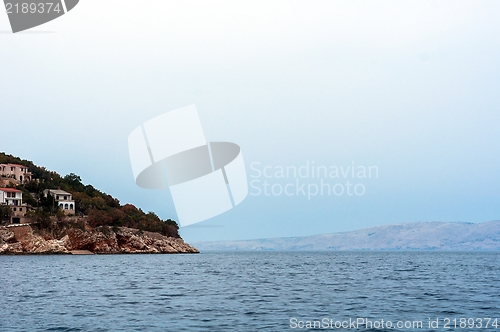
[(411, 87)]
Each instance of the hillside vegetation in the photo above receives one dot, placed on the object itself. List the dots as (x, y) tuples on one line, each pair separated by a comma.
[(101, 209)]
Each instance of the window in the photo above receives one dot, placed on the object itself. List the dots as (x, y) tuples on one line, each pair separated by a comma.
[(71, 206), (61, 205), (21, 209), (65, 206), (57, 196), (12, 169), (65, 198)]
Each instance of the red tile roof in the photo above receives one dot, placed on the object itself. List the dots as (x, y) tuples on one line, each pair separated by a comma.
[(11, 190)]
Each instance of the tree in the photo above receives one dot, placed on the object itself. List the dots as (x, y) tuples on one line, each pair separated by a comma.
[(60, 214), (74, 181), (48, 203), (41, 217), (5, 213), (82, 202), (32, 187), (28, 199)]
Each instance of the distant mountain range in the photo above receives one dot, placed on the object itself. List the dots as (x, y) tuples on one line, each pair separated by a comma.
[(407, 236)]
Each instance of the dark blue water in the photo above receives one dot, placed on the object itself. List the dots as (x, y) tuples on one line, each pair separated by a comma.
[(238, 291)]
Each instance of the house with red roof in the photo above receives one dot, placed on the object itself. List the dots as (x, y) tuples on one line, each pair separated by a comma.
[(13, 198)]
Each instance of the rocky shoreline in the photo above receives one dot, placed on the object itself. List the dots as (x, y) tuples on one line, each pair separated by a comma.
[(22, 240)]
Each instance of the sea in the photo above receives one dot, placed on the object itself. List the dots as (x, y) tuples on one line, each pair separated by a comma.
[(252, 291)]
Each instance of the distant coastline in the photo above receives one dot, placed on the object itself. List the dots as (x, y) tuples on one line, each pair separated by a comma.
[(422, 236)]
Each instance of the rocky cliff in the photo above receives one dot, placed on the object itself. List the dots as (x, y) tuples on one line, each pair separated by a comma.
[(22, 240)]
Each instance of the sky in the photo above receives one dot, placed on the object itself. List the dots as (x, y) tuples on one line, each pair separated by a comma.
[(409, 88)]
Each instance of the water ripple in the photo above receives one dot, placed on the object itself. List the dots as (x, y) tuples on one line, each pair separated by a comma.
[(238, 291)]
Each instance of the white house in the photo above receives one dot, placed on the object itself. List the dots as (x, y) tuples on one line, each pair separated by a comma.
[(64, 199), (13, 198)]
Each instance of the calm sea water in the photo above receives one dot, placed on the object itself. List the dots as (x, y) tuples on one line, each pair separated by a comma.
[(249, 291)]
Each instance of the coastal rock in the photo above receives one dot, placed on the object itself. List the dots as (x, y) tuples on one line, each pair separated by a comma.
[(130, 242), (126, 241), (38, 245), (101, 241), (20, 239), (64, 241), (93, 241), (135, 241), (13, 248), (6, 235), (3, 248)]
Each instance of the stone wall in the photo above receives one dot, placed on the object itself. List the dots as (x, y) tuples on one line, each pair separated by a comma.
[(21, 232)]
